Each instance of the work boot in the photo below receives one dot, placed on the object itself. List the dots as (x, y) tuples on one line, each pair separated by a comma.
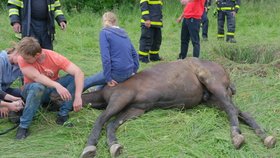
[(155, 57), (221, 38), (144, 59), (62, 120), (22, 133), (204, 38), (231, 40), (181, 57)]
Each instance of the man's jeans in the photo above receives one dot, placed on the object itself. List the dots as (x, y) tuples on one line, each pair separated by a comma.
[(37, 94), (99, 79)]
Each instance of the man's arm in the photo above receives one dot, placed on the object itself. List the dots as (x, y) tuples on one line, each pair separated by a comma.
[(185, 2), (75, 71), (14, 11), (35, 75)]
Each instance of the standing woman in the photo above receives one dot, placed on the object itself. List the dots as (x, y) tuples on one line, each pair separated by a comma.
[(10, 98), (119, 58)]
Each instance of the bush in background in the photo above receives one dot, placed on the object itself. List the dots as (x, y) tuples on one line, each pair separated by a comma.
[(91, 5), (94, 6)]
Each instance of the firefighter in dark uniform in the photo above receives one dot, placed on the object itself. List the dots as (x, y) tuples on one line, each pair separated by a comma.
[(151, 24), (205, 20), (227, 8), (36, 18)]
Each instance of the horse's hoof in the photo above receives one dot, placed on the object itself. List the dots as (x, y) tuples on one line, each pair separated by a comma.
[(115, 150), (269, 141), (238, 140), (88, 152)]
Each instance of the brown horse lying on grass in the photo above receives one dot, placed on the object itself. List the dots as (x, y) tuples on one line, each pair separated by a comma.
[(178, 84)]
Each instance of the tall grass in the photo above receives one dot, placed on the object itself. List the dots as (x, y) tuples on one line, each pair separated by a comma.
[(199, 132)]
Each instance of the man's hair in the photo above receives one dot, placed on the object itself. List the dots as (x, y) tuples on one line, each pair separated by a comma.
[(109, 19), (29, 46)]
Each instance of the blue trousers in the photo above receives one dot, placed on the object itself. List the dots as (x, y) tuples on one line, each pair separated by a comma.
[(36, 94), (99, 79), (190, 31), (205, 23)]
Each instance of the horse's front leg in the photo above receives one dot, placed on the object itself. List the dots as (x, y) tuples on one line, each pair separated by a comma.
[(90, 150), (115, 147)]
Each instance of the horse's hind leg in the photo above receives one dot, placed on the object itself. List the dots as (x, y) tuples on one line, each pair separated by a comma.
[(269, 141), (115, 148), (224, 101)]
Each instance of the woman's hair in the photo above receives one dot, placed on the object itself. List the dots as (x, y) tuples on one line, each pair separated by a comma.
[(109, 19), (29, 46), (12, 49)]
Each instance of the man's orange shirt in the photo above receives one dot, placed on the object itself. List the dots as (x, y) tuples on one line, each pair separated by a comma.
[(50, 67)]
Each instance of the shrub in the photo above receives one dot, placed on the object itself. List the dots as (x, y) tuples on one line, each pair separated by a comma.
[(94, 6), (261, 54)]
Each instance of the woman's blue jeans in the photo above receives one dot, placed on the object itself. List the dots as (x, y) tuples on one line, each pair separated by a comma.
[(99, 79)]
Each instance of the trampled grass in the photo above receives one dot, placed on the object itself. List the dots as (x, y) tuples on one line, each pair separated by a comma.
[(200, 132)]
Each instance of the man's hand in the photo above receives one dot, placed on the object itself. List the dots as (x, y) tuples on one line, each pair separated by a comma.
[(185, 2), (178, 20), (77, 104), (63, 92), (17, 27), (112, 83), (148, 23), (63, 25), (233, 13)]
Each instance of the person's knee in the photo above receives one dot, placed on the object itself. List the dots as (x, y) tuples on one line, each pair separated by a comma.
[(37, 88)]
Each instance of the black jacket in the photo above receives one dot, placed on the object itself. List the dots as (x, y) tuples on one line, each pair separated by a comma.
[(151, 10), (19, 12), (228, 5)]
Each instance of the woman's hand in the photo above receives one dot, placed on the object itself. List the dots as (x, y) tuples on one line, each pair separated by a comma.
[(4, 112), (16, 106), (112, 83)]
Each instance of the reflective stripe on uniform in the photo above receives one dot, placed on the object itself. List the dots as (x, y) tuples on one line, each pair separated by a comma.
[(155, 2), (51, 7), (145, 12), (226, 8), (13, 11), (153, 52), (143, 53), (57, 3), (57, 13), (237, 6), (220, 35), (230, 33), (18, 3), (153, 22), (143, 1)]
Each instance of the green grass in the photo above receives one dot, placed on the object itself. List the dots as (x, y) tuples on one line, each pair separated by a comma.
[(200, 132)]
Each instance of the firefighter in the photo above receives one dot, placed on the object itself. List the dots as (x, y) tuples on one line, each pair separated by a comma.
[(36, 18), (151, 24), (205, 20), (227, 9)]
